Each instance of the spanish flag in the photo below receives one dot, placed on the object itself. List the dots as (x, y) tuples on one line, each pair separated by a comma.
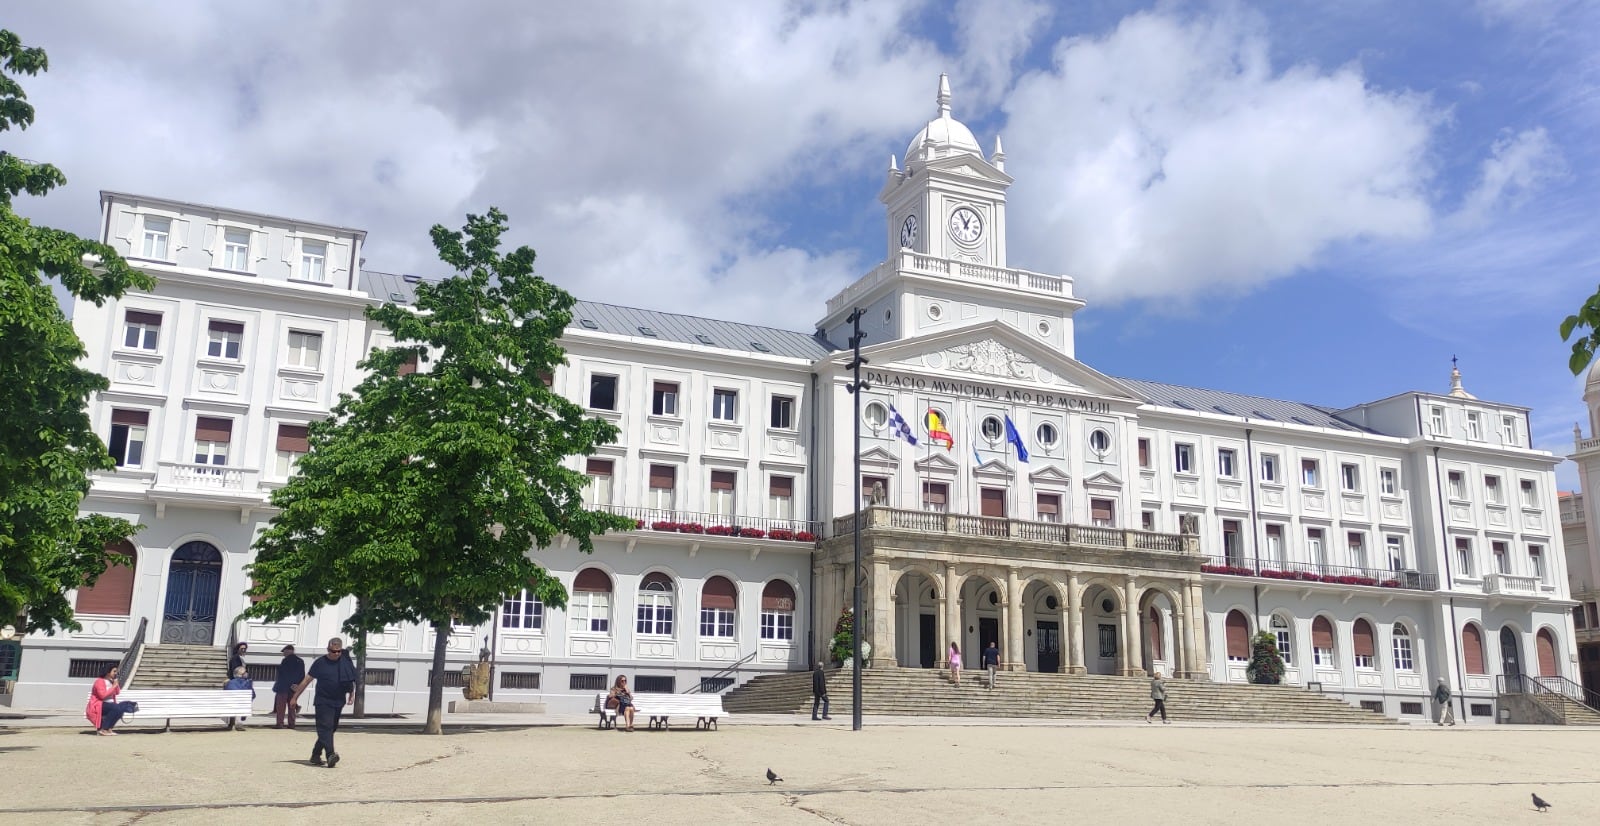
[(936, 430)]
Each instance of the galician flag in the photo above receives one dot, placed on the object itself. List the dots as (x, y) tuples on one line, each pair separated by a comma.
[(898, 426), (937, 432)]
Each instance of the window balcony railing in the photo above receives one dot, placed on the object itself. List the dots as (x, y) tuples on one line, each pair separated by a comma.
[(715, 524), (1056, 533), (226, 478), (1510, 584), (1319, 573)]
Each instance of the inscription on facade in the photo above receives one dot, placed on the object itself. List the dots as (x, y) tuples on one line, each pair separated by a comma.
[(970, 390)]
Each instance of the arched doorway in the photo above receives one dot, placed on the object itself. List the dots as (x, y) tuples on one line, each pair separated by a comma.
[(916, 622), (193, 578), (1549, 666), (1102, 630), (1510, 661), (982, 620), (1044, 644), (1156, 624)]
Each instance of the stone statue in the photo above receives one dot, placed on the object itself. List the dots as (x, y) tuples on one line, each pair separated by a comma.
[(1189, 524), (879, 494), (475, 677)]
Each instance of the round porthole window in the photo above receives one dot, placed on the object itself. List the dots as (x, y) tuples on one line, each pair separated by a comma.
[(1100, 442), (876, 415), (1107, 606), (1044, 328), (935, 311), (992, 429), (994, 598), (1047, 435), (1051, 603)]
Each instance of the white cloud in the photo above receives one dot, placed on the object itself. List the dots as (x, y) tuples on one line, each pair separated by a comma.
[(1517, 167), (1168, 158)]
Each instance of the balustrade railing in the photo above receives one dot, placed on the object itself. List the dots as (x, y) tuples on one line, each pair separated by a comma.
[(1060, 533), (206, 477), (1531, 684), (128, 668), (1511, 584), (1231, 565), (717, 524)]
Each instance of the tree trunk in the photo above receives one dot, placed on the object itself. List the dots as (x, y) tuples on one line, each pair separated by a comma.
[(360, 709), (441, 640)]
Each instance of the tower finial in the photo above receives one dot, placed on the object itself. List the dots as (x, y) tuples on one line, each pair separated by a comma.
[(999, 156), (894, 166), (944, 95), (1456, 389)]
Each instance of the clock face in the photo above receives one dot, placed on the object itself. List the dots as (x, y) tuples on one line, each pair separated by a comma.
[(966, 225), (908, 231)]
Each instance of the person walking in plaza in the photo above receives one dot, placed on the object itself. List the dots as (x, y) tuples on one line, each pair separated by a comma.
[(991, 661), (1441, 695), (819, 692), (103, 709), (1158, 693), (241, 682), (955, 663), (335, 676), (290, 672)]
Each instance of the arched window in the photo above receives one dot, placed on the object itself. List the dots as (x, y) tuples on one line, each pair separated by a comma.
[(1238, 629), (1322, 646), (1280, 629), (1546, 643), (1402, 648), (719, 600), (1158, 643), (654, 611), (112, 592), (590, 607), (777, 611), (1364, 643), (1472, 649), (522, 611)]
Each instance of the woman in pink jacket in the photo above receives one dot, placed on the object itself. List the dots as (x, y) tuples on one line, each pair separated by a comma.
[(103, 710)]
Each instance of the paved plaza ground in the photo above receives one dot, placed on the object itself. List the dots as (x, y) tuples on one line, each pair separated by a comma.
[(904, 770)]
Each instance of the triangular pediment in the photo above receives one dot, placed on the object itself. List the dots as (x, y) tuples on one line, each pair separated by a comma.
[(988, 353), (994, 469), (1103, 479), (969, 165), (879, 457), (937, 462), (1050, 474)]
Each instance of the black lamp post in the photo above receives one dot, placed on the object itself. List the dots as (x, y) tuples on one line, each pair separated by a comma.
[(855, 387)]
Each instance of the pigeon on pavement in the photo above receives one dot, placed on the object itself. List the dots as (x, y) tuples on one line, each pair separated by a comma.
[(1538, 802), (773, 778)]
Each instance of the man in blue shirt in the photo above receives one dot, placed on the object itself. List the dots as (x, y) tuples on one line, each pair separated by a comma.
[(335, 676)]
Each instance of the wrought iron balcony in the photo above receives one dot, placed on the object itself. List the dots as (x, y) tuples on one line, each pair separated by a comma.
[(1058, 533), (716, 524), (1322, 574)]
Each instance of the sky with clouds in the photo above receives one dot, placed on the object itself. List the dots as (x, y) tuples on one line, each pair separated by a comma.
[(1307, 200)]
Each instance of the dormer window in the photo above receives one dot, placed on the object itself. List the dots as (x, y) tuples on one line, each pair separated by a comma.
[(314, 261), (236, 250), (157, 232)]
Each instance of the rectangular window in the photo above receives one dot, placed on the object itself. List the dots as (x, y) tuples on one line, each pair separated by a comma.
[(1397, 552), (602, 392), (1309, 473), (1147, 520), (128, 428), (1048, 507), (1103, 513), (156, 233), (782, 413), (780, 497), (140, 330), (1463, 556), (936, 497), (522, 611), (223, 339), (725, 404), (1357, 544), (1502, 558), (1350, 477), (663, 485), (598, 491), (716, 622), (1530, 493), (664, 399), (305, 350), (1269, 467), (1182, 458), (1232, 542), (1389, 481), (992, 502), (236, 250), (722, 492), (1580, 618), (1436, 420), (653, 612), (590, 612), (211, 438), (313, 261), (1144, 453), (1536, 562), (777, 625), (1275, 544), (293, 442), (1316, 552), (1508, 430), (1458, 484), (1225, 463), (1474, 425), (1492, 492)]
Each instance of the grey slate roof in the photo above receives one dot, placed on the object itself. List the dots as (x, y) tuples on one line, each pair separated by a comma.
[(384, 286), (1258, 408), (696, 331)]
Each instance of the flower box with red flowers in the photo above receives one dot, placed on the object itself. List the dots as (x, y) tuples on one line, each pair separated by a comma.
[(752, 533), (721, 530), (805, 536), (780, 533)]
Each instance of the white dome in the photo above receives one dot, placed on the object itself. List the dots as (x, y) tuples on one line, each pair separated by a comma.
[(1594, 376), (943, 135)]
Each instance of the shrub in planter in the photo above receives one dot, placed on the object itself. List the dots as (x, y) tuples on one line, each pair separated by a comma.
[(843, 639), (1266, 661)]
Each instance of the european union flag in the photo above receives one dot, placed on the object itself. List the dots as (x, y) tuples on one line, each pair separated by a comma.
[(1015, 439)]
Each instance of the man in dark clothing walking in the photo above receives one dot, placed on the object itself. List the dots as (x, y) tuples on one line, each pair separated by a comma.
[(290, 672), (335, 675), (1441, 695), (1158, 693), (819, 693), (991, 661)]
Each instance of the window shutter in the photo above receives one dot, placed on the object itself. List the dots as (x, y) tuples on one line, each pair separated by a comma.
[(936, 494), (719, 592), (1361, 636), (1547, 654), (1238, 636), (664, 477), (993, 501), (722, 479), (1322, 634), (593, 580), (1100, 509), (408, 366), (1049, 503), (138, 418), (137, 317), (781, 486), (227, 327), (112, 593), (656, 578), (292, 437), (207, 429), (1144, 453), (599, 467), (1472, 649), (777, 596)]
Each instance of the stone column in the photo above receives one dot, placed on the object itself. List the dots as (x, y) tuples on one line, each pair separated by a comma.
[(1075, 661), (941, 650), (954, 629), (1180, 632), (1195, 652), (882, 606), (1015, 659), (1130, 603)]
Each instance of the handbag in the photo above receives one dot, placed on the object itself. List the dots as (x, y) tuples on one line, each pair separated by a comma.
[(129, 707), (611, 702)]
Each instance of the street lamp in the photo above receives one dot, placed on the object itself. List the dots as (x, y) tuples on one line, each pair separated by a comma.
[(855, 387)]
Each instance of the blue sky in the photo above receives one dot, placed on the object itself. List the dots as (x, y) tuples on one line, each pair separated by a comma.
[(1307, 200)]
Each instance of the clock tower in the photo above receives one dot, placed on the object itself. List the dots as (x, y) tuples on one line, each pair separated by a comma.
[(947, 200)]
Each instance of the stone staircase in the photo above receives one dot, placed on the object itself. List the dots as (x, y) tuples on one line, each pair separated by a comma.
[(181, 666), (1563, 710), (926, 692)]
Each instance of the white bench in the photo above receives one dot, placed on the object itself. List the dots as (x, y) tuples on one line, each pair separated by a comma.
[(177, 703), (705, 708)]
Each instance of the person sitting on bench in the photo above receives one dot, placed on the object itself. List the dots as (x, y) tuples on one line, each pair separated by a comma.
[(622, 699)]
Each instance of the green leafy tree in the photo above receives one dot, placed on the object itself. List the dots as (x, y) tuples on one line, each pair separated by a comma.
[(1266, 661), (425, 491), (47, 447), (1583, 349)]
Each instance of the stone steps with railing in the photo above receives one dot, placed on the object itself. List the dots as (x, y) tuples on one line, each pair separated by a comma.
[(182, 666), (926, 692)]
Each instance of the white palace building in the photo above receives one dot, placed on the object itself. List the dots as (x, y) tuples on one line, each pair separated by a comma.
[(1152, 526)]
